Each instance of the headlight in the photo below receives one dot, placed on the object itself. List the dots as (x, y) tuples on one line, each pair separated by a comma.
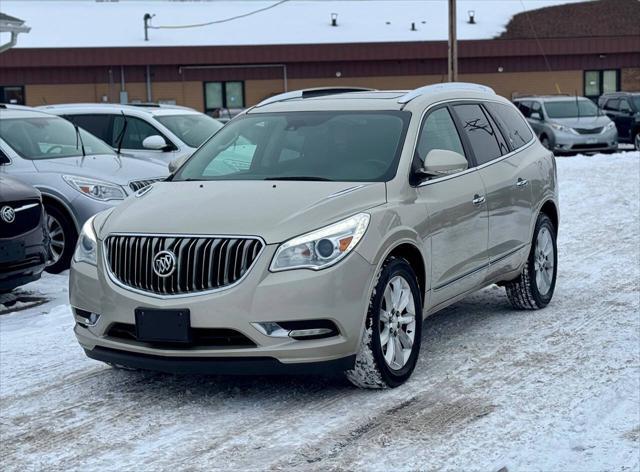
[(321, 248), (609, 126), (87, 244), (564, 129), (96, 189)]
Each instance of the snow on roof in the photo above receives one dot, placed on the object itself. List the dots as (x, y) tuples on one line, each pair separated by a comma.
[(67, 24)]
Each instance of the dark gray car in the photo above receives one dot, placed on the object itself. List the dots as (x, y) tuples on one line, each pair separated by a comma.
[(78, 174)]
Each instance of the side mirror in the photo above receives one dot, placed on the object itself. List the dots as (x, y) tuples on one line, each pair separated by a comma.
[(176, 163), (440, 162), (536, 115), (155, 142)]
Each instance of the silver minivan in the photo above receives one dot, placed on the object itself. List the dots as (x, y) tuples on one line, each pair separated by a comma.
[(568, 125), (316, 231)]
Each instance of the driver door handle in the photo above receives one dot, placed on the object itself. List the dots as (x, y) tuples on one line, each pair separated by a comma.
[(478, 200), (521, 183)]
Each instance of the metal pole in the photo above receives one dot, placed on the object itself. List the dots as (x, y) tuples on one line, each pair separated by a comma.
[(453, 44), (149, 94)]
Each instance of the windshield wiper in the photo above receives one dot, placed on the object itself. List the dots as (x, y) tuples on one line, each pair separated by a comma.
[(301, 177), (79, 140), (121, 135)]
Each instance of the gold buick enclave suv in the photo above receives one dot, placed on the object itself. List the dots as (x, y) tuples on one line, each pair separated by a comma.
[(316, 231)]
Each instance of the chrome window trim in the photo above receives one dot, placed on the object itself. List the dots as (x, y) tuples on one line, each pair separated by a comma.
[(115, 280), (470, 169)]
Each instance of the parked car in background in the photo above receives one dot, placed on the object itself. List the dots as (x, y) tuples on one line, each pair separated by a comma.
[(159, 133), (566, 124), (624, 109), (361, 212), (24, 239), (78, 174)]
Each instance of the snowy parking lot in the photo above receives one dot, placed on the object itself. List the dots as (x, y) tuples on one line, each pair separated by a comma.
[(557, 389)]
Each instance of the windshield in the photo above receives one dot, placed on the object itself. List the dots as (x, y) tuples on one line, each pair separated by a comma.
[(192, 129), (571, 108), (636, 101), (336, 145), (49, 137)]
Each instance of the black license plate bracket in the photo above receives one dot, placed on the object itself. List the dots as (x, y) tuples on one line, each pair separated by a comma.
[(163, 326)]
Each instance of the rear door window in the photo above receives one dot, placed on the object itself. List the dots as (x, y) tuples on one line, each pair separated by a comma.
[(513, 124), (612, 105), (478, 130)]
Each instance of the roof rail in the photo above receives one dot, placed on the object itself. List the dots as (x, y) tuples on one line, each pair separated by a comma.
[(407, 97), (310, 93)]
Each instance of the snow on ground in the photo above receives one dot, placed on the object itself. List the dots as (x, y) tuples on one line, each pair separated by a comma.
[(119, 24), (557, 389)]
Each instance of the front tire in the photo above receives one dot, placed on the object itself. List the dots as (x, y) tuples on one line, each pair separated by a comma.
[(391, 340), (534, 288), (63, 239)]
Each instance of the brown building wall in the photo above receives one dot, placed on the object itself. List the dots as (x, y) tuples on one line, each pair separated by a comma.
[(630, 79), (191, 93)]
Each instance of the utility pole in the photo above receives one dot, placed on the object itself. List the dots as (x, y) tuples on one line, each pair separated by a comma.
[(453, 44)]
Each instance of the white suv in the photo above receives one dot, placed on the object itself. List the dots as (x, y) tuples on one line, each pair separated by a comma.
[(160, 133)]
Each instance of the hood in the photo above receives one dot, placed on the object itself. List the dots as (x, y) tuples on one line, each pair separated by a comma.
[(14, 190), (111, 168), (587, 122), (274, 210)]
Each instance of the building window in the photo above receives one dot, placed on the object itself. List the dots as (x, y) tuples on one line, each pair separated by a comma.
[(597, 82), (13, 94), (220, 95)]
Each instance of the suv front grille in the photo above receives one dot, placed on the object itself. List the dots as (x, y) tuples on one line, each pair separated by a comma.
[(199, 263), (589, 130), (136, 185), (27, 217)]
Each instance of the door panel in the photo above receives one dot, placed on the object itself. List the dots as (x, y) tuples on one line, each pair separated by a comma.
[(458, 232), (509, 197)]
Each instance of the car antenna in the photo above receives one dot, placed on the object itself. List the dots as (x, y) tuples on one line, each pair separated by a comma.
[(79, 140), (121, 135)]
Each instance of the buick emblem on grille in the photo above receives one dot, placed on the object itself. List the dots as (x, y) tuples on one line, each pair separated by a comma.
[(7, 214), (164, 263)]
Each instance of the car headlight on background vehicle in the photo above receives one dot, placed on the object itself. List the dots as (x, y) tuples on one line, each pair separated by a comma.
[(96, 189), (609, 126), (321, 248), (564, 129), (87, 244)]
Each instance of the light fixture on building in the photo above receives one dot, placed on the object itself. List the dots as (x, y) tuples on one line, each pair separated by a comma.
[(472, 17), (334, 19), (500, 69), (338, 74), (413, 27)]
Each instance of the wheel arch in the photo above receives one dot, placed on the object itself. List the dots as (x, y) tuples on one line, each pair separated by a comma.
[(410, 252), (47, 198), (550, 209)]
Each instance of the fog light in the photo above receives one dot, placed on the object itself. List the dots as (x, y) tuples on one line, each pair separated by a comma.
[(86, 318), (306, 333)]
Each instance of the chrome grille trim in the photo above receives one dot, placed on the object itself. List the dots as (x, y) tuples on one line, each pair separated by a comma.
[(136, 185), (203, 262)]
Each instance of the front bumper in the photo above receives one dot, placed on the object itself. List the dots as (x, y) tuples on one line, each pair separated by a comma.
[(28, 269), (569, 142), (339, 294)]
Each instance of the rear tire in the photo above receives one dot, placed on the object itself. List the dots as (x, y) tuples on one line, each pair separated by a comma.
[(636, 140), (545, 142), (63, 238), (391, 340), (534, 288)]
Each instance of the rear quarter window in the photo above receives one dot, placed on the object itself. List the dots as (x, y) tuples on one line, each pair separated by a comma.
[(512, 123)]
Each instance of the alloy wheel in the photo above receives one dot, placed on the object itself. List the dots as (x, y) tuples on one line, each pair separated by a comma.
[(56, 233), (397, 323), (544, 261)]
